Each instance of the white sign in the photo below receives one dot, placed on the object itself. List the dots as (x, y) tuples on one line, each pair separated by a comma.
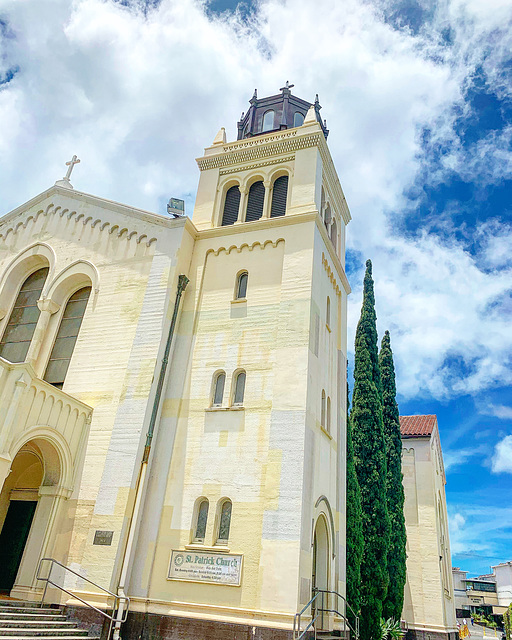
[(200, 566)]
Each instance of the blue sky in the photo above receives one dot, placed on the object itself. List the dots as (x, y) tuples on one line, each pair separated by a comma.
[(418, 100)]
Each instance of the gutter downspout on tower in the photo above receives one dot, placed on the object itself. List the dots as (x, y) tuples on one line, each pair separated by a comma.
[(182, 285)]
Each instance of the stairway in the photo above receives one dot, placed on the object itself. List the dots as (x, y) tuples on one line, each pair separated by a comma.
[(22, 620)]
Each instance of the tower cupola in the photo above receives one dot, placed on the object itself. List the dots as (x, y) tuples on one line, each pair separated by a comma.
[(275, 113)]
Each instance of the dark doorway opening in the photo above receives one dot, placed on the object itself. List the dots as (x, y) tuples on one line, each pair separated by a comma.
[(13, 538)]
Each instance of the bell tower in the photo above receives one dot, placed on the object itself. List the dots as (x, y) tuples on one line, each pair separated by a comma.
[(256, 475)]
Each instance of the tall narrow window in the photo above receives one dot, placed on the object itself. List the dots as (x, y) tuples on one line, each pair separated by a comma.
[(66, 337), (322, 410), (224, 522), (218, 389), (241, 285), (334, 235), (238, 397), (255, 202), (328, 312), (328, 416), (327, 216), (231, 206), (23, 319), (279, 194), (268, 121), (298, 119), (201, 520)]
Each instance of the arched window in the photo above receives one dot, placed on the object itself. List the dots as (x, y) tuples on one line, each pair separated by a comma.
[(241, 285), (255, 201), (322, 409), (328, 416), (327, 216), (231, 206), (334, 235), (268, 121), (279, 194), (224, 522), (66, 337), (23, 319), (298, 119), (328, 312), (201, 520), (322, 202), (218, 389), (238, 395)]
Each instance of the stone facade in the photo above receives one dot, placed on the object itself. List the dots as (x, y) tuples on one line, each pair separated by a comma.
[(277, 457)]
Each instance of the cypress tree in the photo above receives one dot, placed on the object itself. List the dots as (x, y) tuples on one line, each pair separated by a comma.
[(370, 463), (354, 528), (394, 602)]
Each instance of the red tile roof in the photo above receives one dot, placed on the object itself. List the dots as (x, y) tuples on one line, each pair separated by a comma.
[(411, 426)]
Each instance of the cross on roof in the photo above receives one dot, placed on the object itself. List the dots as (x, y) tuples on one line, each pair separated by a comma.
[(74, 160), (287, 86)]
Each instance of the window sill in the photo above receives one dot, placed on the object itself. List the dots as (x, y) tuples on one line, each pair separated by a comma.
[(240, 408), (322, 428), (238, 300), (206, 547)]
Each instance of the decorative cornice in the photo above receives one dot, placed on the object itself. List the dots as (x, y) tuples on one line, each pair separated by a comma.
[(340, 271), (256, 165), (331, 275), (332, 181), (259, 147), (6, 229), (245, 245)]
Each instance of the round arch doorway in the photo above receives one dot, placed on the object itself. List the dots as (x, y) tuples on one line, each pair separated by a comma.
[(320, 575), (28, 508)]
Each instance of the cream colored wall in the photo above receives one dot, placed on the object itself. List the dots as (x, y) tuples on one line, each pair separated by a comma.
[(252, 456), (428, 598), (131, 258), (271, 459)]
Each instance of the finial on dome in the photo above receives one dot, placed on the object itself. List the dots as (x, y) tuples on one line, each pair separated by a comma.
[(220, 138)]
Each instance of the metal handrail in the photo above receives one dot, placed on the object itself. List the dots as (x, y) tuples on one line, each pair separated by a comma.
[(344, 615), (297, 616), (117, 599), (320, 613)]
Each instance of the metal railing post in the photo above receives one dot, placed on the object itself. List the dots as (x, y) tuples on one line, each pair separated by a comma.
[(46, 584), (116, 602), (323, 607)]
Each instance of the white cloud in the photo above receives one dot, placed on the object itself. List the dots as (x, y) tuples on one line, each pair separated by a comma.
[(502, 459), (499, 410), (479, 530), (137, 98), (455, 459)]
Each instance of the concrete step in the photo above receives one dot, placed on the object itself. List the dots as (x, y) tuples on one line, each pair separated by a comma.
[(46, 617), (37, 624), (38, 633), (23, 604), (33, 610)]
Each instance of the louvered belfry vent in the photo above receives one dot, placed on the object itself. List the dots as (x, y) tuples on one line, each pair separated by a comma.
[(255, 202), (231, 205), (279, 194)]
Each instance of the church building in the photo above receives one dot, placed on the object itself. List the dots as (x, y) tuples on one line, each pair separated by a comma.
[(173, 393)]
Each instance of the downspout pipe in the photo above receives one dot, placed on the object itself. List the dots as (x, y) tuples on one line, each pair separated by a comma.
[(182, 285)]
